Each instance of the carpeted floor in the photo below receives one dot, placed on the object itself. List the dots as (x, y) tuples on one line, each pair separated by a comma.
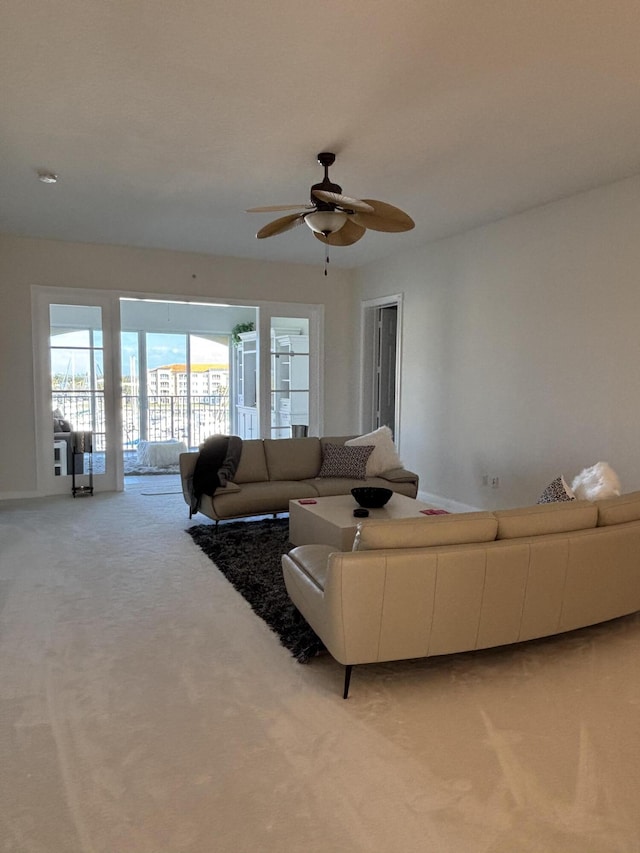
[(248, 553), (144, 708)]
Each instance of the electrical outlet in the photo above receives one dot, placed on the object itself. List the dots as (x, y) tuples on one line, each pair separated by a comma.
[(495, 482)]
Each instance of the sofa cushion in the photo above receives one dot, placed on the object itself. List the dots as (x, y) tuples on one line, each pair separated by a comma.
[(328, 486), (459, 529), (384, 456), (338, 460), (556, 491), (619, 510), (292, 458), (252, 467), (228, 489), (335, 439), (400, 475), (259, 498), (546, 518), (313, 561)]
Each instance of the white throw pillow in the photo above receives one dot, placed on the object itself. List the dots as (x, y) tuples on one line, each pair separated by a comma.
[(384, 456), (595, 483)]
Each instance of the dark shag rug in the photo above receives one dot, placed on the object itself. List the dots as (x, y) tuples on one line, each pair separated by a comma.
[(248, 553)]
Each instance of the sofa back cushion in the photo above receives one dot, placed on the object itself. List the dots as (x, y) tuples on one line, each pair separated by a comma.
[(619, 510), (335, 439), (541, 519), (423, 532), (252, 467), (292, 458)]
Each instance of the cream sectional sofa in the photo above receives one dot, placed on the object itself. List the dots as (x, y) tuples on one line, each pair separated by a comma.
[(271, 472), (422, 587)]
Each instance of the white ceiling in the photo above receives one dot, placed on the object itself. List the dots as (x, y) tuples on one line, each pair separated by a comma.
[(166, 119)]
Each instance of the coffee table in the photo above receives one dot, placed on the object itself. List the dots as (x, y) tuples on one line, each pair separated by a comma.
[(330, 521)]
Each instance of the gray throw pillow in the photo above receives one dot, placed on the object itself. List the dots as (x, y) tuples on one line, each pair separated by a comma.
[(338, 460)]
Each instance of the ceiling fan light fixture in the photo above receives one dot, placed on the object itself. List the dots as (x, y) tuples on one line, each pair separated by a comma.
[(326, 221)]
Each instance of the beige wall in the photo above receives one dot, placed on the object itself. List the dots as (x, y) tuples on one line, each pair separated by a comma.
[(522, 348), (26, 262), (521, 340)]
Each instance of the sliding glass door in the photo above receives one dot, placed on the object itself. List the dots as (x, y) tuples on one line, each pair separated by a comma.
[(175, 387), (125, 382)]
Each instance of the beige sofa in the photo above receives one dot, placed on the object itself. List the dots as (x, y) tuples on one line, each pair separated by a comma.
[(454, 583), (272, 472)]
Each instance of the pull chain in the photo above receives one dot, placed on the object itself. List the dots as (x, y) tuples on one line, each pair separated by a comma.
[(326, 260)]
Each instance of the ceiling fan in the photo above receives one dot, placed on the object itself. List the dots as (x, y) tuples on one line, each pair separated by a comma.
[(335, 218)]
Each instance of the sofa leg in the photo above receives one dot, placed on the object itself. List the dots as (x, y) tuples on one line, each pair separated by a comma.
[(347, 680)]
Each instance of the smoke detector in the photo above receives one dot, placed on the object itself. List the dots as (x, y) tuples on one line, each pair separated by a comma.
[(47, 177)]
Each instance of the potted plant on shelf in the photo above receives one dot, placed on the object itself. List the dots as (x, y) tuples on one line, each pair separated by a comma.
[(239, 328)]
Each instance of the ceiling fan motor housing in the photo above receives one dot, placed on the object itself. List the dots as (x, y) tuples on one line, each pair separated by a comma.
[(326, 159), (327, 186)]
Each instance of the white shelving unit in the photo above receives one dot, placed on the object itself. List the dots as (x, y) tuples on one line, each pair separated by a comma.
[(289, 392), (289, 382)]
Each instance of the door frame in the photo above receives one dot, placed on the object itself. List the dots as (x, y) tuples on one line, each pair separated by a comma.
[(368, 360), (41, 299), (314, 313), (109, 301)]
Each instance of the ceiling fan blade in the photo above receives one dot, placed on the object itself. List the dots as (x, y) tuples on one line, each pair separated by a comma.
[(385, 217), (275, 207), (343, 201), (350, 233), (279, 226)]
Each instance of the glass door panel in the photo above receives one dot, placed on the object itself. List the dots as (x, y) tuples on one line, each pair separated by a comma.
[(164, 413), (130, 386), (208, 387), (175, 387), (77, 387), (289, 392)]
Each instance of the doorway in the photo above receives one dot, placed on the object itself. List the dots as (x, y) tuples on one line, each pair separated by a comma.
[(381, 368), (129, 369)]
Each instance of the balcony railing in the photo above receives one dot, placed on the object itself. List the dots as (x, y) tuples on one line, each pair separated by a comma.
[(159, 418)]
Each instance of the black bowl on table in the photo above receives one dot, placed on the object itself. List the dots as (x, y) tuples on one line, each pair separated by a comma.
[(371, 497)]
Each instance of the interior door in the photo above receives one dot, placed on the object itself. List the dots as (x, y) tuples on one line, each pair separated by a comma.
[(385, 403)]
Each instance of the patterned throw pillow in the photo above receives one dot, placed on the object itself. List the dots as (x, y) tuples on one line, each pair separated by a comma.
[(338, 460), (557, 490)]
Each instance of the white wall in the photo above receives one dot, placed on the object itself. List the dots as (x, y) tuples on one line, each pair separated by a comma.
[(522, 348), (26, 262)]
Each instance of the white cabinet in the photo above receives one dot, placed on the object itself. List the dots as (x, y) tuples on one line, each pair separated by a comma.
[(289, 382), (246, 362), (247, 421), (289, 392)]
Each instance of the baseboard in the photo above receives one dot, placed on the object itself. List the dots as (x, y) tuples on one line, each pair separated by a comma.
[(445, 503), (12, 496)]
